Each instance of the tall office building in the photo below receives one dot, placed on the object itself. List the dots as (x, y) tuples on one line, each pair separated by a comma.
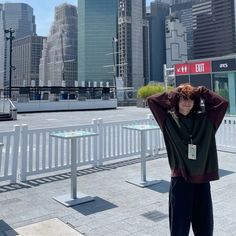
[(18, 16), (183, 9), (132, 28), (201, 9), (159, 11), (164, 1), (97, 33), (147, 47), (26, 55), (176, 41), (58, 65), (2, 48), (214, 28)]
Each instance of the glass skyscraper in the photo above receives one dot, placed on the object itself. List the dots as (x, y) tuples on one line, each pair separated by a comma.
[(97, 22), (159, 11), (18, 16), (2, 47), (214, 28)]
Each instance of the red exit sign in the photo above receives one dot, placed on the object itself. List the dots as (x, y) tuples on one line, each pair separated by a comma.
[(202, 67)]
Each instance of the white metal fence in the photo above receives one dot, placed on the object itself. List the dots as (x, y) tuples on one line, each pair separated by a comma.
[(226, 135), (36, 152), (28, 152), (42, 153), (9, 154)]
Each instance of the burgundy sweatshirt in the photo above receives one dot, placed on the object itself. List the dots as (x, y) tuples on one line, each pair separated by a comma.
[(201, 127)]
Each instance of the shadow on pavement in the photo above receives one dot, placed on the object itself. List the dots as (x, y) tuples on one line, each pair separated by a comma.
[(12, 187), (5, 227), (98, 205), (223, 173), (162, 187)]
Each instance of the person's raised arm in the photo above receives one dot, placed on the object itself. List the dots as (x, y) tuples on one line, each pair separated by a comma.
[(160, 104), (215, 105)]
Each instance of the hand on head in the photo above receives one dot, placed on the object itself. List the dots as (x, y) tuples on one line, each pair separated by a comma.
[(186, 91)]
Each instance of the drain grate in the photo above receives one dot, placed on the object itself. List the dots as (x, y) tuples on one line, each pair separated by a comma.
[(154, 215)]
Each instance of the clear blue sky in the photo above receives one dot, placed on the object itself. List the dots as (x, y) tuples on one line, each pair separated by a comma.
[(44, 12)]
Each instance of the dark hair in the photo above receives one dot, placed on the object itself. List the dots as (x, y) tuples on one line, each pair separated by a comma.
[(187, 91)]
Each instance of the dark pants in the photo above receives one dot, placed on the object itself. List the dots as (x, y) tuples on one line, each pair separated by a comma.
[(190, 203)]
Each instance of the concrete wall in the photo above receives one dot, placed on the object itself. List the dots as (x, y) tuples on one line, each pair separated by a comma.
[(65, 105)]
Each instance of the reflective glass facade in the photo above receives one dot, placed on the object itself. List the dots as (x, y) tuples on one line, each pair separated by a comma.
[(97, 22), (18, 16), (159, 11), (214, 30), (225, 85), (2, 47)]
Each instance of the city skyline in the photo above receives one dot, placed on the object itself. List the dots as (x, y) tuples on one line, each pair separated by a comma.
[(44, 12)]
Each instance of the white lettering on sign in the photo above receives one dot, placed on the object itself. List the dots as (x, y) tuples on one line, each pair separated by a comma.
[(199, 67), (225, 65), (183, 69)]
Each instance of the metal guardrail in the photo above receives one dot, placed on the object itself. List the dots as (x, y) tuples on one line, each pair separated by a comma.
[(13, 110)]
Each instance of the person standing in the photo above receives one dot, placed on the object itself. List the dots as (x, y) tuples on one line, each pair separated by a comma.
[(189, 134)]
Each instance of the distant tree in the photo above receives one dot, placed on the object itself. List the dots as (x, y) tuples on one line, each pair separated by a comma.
[(148, 90)]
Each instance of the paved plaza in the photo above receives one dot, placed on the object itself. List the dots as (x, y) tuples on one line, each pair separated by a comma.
[(70, 118), (119, 208)]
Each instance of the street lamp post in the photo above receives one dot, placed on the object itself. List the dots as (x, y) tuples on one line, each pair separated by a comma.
[(10, 38), (63, 58), (114, 40), (114, 64), (168, 72)]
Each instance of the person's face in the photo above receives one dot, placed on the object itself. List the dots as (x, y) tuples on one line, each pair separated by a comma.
[(185, 105)]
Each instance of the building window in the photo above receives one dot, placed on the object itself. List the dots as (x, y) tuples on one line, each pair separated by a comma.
[(225, 85)]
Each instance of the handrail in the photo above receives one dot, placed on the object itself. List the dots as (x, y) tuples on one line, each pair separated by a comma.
[(13, 110), (11, 104)]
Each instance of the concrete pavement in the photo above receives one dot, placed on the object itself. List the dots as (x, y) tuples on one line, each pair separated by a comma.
[(119, 208), (70, 118), (46, 228)]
